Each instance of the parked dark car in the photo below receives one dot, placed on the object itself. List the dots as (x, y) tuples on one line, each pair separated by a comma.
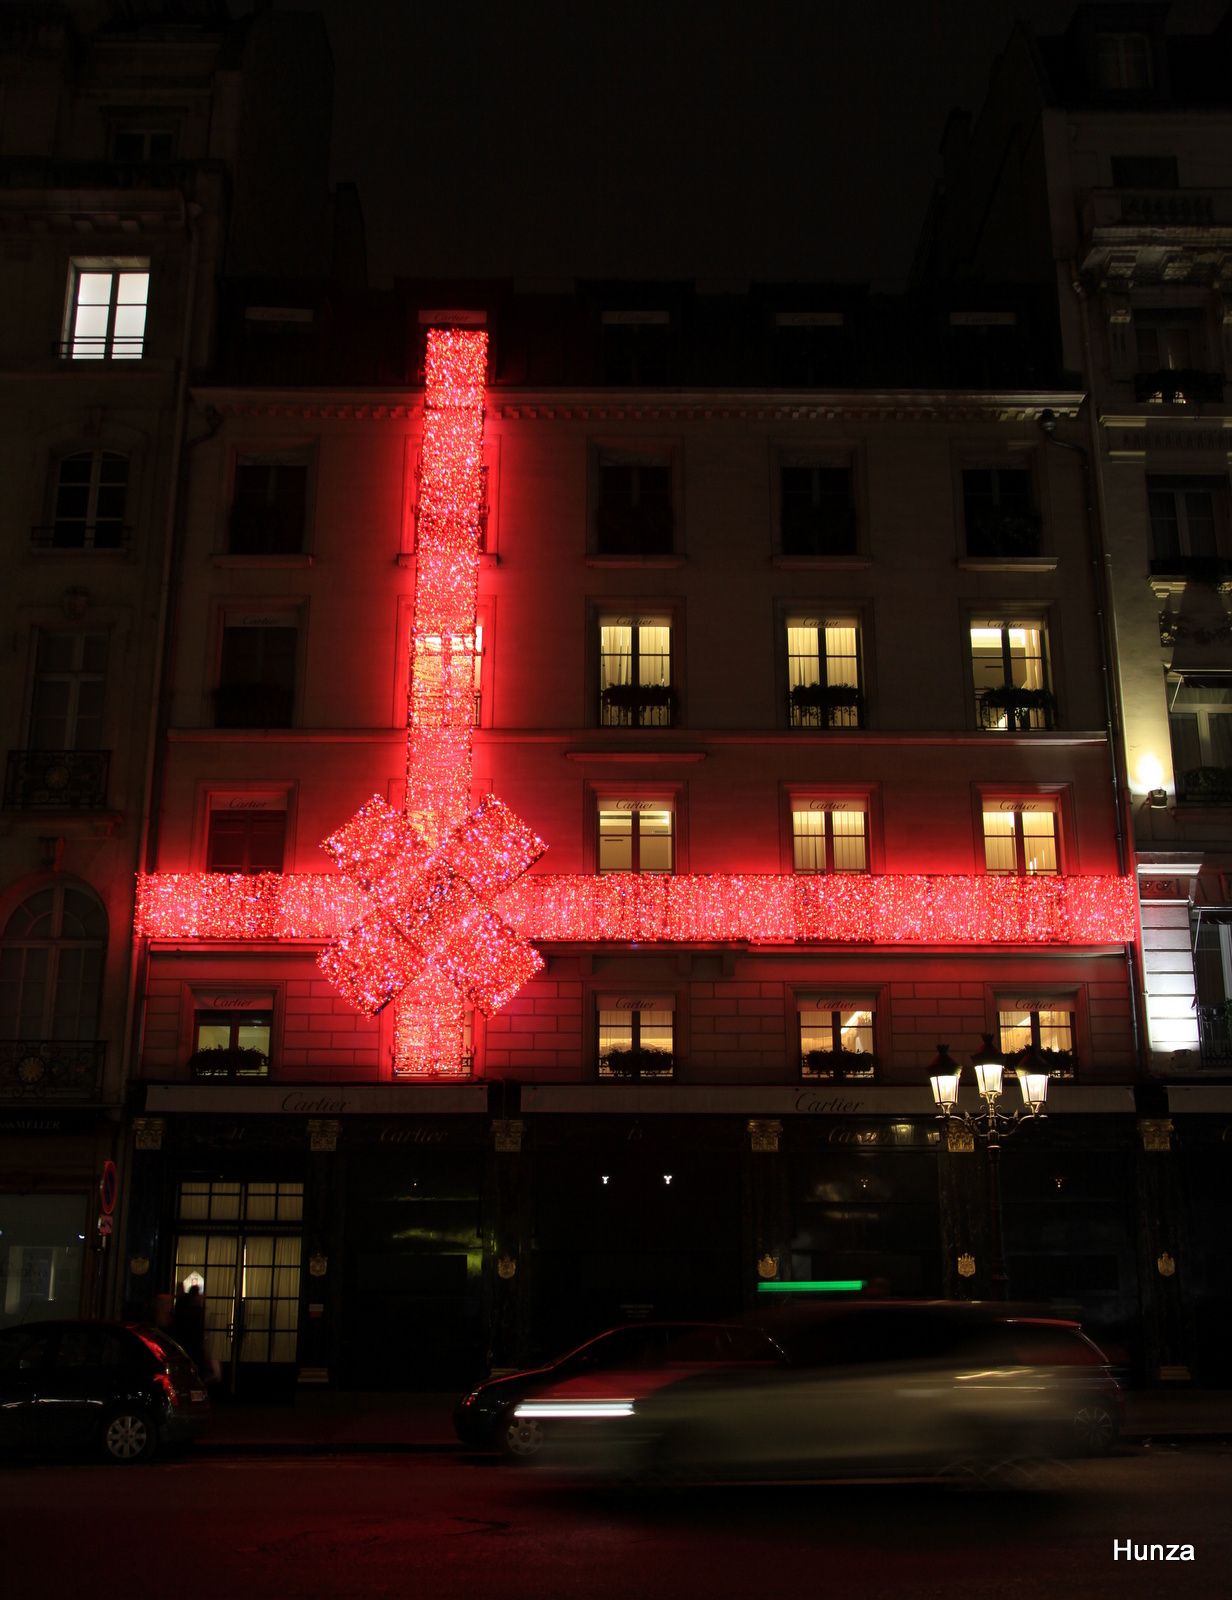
[(864, 1389), (112, 1389), (485, 1418)]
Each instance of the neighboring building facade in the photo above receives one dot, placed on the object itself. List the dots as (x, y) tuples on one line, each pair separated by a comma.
[(744, 640), (128, 152), (1101, 165)]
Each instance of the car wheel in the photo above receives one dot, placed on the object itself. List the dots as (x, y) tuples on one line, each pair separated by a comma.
[(129, 1437), (1095, 1428), (521, 1437)]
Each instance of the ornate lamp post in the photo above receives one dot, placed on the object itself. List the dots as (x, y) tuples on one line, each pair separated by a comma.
[(991, 1123)]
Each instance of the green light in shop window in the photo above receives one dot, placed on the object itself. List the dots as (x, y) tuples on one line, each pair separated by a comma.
[(813, 1286)]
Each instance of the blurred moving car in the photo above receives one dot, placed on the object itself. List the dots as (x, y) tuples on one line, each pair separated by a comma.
[(486, 1418), (894, 1388), (116, 1390)]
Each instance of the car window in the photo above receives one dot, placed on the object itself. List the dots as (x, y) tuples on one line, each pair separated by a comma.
[(869, 1335), (699, 1344), (1037, 1344), (23, 1349), (622, 1347), (746, 1344), (85, 1346)]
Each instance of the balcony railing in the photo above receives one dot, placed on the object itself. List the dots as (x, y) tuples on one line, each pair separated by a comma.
[(839, 1066), (40, 172), (1199, 569), (1013, 710), (56, 780), (637, 705), (230, 1065), (1215, 1035), (1178, 386), (52, 1069), (1159, 208), (81, 536), (637, 1066), (1211, 785), (825, 705)]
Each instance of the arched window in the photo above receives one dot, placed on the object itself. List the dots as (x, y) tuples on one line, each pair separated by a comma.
[(88, 503), (51, 965)]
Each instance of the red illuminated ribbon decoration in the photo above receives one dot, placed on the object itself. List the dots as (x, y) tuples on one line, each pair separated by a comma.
[(427, 935)]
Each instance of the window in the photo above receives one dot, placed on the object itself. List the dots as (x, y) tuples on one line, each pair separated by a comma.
[(635, 836), (836, 1037), (90, 492), (136, 143), (636, 1036), (1044, 1026), (1123, 61), (1144, 172), (51, 966), (1212, 948), (829, 836), (246, 834), (635, 672), (817, 515), (823, 672), (985, 349), (70, 674), (231, 1035), (256, 685), (811, 350), (634, 515), (105, 320), (1020, 836), (246, 1260), (637, 347), (434, 664), (1169, 341), (999, 513), (1189, 521), (1009, 666), (269, 508), (1200, 723)]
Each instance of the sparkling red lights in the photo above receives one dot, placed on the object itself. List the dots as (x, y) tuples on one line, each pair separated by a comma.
[(838, 908)]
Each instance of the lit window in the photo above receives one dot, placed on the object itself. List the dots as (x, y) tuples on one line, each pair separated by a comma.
[(229, 1042), (634, 513), (452, 675), (269, 507), (635, 672), (829, 836), (823, 673), (636, 1036), (1020, 836), (817, 515), (1123, 61), (246, 834), (999, 515), (635, 836), (1009, 665), (105, 320), (1044, 1027), (836, 1037), (87, 513)]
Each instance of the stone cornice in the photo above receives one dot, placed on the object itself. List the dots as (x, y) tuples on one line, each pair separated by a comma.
[(655, 406)]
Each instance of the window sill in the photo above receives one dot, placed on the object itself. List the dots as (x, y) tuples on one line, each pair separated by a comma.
[(821, 563), (665, 563), (1008, 563), (262, 561), (583, 754)]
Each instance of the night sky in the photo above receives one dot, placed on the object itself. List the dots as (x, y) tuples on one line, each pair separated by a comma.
[(619, 138)]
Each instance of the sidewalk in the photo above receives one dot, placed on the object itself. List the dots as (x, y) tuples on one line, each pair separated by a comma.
[(327, 1422)]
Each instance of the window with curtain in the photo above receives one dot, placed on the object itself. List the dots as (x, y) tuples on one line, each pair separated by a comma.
[(636, 1037), (635, 672), (1020, 837), (823, 673), (51, 966), (1009, 668), (829, 836), (1046, 1028)]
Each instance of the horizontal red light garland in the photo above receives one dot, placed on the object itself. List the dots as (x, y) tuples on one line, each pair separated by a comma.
[(838, 908)]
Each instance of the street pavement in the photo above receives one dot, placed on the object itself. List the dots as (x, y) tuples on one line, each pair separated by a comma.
[(327, 1420)]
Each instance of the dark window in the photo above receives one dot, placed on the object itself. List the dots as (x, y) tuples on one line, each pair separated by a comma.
[(1189, 523), (985, 349), (637, 348), (811, 350), (635, 508), (623, 1347), (256, 687), (137, 143), (1200, 724), (70, 674), (1123, 61), (269, 510), (1144, 172), (1169, 341), (51, 966), (999, 512), (246, 841), (817, 516), (90, 494)]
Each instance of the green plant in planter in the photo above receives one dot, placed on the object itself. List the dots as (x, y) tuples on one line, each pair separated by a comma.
[(1019, 704), (840, 1064), (825, 702), (637, 1063), (1055, 1063), (228, 1061), (634, 696)]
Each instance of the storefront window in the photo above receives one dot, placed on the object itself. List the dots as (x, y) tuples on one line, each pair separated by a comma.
[(42, 1255)]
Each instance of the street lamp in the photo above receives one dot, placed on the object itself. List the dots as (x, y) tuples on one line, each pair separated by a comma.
[(991, 1123)]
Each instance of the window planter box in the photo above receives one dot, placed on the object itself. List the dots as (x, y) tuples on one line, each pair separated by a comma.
[(637, 705), (839, 1066), (1022, 709), (994, 532), (227, 1062), (825, 705), (637, 1066), (1055, 1063)]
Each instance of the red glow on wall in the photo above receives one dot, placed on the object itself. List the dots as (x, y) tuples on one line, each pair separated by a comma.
[(653, 908)]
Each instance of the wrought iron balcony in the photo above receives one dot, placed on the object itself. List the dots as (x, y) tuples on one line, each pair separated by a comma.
[(52, 1069), (1212, 785), (1215, 1035), (825, 705), (56, 780), (81, 536), (637, 705), (1178, 386), (1014, 710), (637, 1066)]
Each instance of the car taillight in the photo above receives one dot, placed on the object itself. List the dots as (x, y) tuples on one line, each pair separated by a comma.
[(164, 1381)]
